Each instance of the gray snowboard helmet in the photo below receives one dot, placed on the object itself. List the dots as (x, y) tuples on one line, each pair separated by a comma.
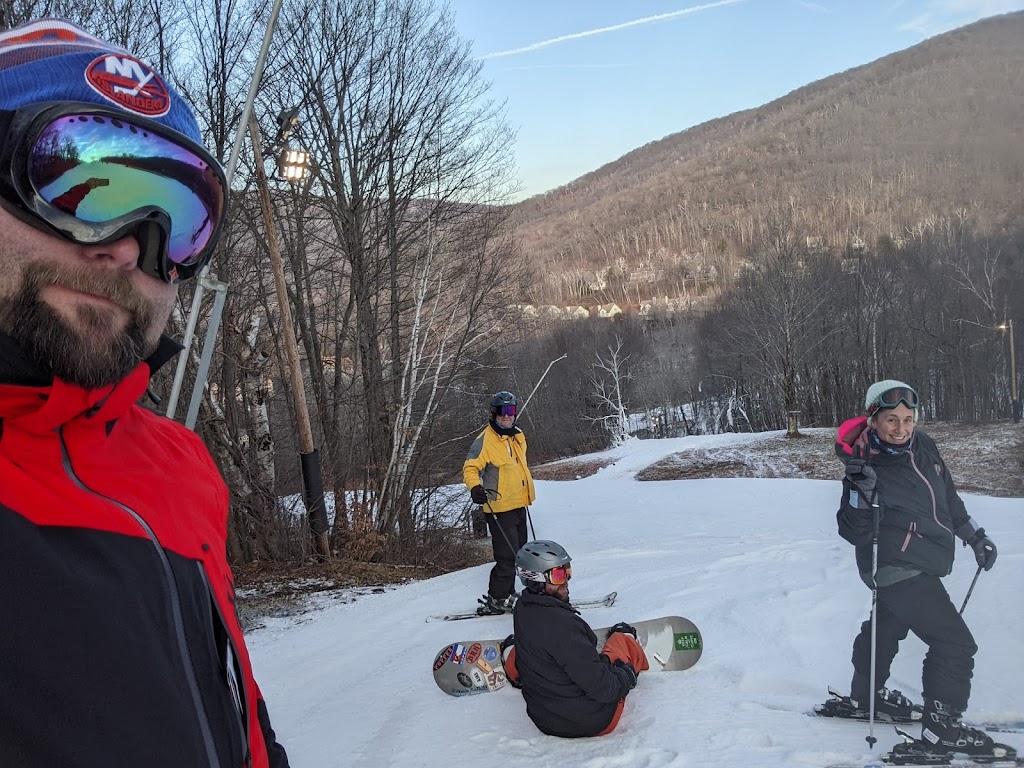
[(535, 558)]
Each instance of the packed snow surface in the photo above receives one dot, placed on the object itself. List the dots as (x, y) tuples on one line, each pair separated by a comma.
[(756, 564)]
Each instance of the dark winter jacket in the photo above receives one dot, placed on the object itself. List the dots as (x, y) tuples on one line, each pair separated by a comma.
[(570, 689), (119, 641), (921, 511)]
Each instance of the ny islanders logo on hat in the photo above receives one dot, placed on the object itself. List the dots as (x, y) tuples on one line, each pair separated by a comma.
[(129, 83)]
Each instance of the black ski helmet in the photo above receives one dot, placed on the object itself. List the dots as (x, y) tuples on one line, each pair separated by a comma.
[(536, 558), (499, 399)]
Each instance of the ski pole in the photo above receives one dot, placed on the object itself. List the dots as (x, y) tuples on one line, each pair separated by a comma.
[(533, 532), (969, 591), (875, 518), (497, 525)]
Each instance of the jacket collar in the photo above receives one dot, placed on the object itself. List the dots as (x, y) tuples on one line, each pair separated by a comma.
[(39, 402)]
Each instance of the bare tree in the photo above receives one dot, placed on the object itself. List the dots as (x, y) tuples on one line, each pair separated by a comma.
[(608, 380)]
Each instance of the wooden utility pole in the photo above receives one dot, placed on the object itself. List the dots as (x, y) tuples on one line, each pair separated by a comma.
[(312, 481)]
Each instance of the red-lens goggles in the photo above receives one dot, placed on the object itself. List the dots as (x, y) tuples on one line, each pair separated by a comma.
[(95, 175), (559, 575), (506, 410), (893, 397)]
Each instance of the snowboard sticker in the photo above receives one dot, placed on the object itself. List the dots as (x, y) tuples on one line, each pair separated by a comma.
[(469, 667)]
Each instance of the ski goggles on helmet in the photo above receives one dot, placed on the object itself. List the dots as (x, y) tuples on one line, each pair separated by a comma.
[(559, 575), (505, 410), (893, 397), (94, 175)]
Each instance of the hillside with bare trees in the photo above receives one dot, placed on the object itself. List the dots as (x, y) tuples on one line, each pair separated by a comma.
[(882, 152)]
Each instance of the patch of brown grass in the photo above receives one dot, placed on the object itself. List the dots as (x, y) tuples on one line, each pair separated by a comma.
[(986, 459), (569, 469)]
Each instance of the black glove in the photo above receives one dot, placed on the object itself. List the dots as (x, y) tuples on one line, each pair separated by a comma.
[(628, 669), (478, 494), (624, 628), (984, 550), (863, 478)]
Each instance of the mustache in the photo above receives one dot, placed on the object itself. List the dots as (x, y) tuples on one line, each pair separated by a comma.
[(115, 287)]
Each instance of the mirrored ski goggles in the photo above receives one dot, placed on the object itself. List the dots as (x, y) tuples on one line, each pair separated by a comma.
[(506, 410), (559, 575), (95, 175), (893, 397)]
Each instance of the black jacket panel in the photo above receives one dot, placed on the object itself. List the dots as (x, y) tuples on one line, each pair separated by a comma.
[(569, 688), (920, 510), (97, 665)]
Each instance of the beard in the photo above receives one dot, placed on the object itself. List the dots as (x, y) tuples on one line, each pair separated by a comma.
[(88, 352)]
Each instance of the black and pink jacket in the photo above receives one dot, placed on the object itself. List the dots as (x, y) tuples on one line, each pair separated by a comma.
[(921, 512)]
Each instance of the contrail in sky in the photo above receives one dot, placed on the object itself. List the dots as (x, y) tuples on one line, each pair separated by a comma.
[(614, 28)]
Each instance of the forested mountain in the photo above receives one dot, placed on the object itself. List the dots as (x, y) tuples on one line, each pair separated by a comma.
[(883, 151)]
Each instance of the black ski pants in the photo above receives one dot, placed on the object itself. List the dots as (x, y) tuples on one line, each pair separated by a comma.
[(920, 605), (508, 534)]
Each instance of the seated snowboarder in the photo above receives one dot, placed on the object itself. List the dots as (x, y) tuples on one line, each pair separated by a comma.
[(570, 689)]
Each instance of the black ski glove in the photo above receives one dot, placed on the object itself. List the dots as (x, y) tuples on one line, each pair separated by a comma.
[(624, 628), (478, 494), (626, 667), (984, 550), (863, 478)]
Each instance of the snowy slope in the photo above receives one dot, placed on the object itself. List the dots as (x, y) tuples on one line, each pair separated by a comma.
[(757, 564)]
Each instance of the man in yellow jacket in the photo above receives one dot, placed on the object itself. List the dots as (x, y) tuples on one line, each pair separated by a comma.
[(499, 480)]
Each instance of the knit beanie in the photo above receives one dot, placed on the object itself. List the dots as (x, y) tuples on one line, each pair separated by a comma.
[(876, 389), (54, 60)]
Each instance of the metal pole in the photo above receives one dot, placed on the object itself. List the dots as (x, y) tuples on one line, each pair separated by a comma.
[(197, 299), (876, 515), (969, 591), (190, 329), (539, 381), (309, 458), (211, 334), (1014, 404)]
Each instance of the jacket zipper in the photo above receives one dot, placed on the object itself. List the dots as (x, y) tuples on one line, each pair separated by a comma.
[(236, 682), (179, 624), (935, 507), (910, 533)]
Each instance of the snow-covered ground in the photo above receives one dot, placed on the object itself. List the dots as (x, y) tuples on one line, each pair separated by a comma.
[(756, 564)]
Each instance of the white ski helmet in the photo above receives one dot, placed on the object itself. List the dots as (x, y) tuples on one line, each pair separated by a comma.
[(536, 558)]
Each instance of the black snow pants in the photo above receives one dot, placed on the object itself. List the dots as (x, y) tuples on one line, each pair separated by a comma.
[(508, 534), (920, 605)]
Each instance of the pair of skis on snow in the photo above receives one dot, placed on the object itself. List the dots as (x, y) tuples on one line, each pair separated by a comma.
[(593, 602), (913, 751)]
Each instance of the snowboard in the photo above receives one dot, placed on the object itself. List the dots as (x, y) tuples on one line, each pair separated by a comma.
[(469, 667)]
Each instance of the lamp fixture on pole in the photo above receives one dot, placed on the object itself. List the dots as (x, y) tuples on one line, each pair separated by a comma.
[(293, 165)]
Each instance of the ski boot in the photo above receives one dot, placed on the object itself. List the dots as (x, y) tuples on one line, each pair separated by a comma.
[(890, 707), (944, 735), (894, 707), (943, 729), (490, 606)]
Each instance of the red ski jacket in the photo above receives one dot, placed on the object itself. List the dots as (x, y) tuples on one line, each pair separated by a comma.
[(119, 640)]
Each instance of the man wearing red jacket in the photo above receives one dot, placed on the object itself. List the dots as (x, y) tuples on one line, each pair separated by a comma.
[(119, 643)]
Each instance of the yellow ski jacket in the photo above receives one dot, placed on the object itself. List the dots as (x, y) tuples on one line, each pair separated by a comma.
[(498, 463)]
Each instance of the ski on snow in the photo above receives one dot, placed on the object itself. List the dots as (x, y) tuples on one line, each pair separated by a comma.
[(594, 602)]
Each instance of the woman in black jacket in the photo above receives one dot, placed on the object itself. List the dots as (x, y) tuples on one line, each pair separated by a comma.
[(891, 463)]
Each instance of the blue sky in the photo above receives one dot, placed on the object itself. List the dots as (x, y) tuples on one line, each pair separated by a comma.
[(586, 81)]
